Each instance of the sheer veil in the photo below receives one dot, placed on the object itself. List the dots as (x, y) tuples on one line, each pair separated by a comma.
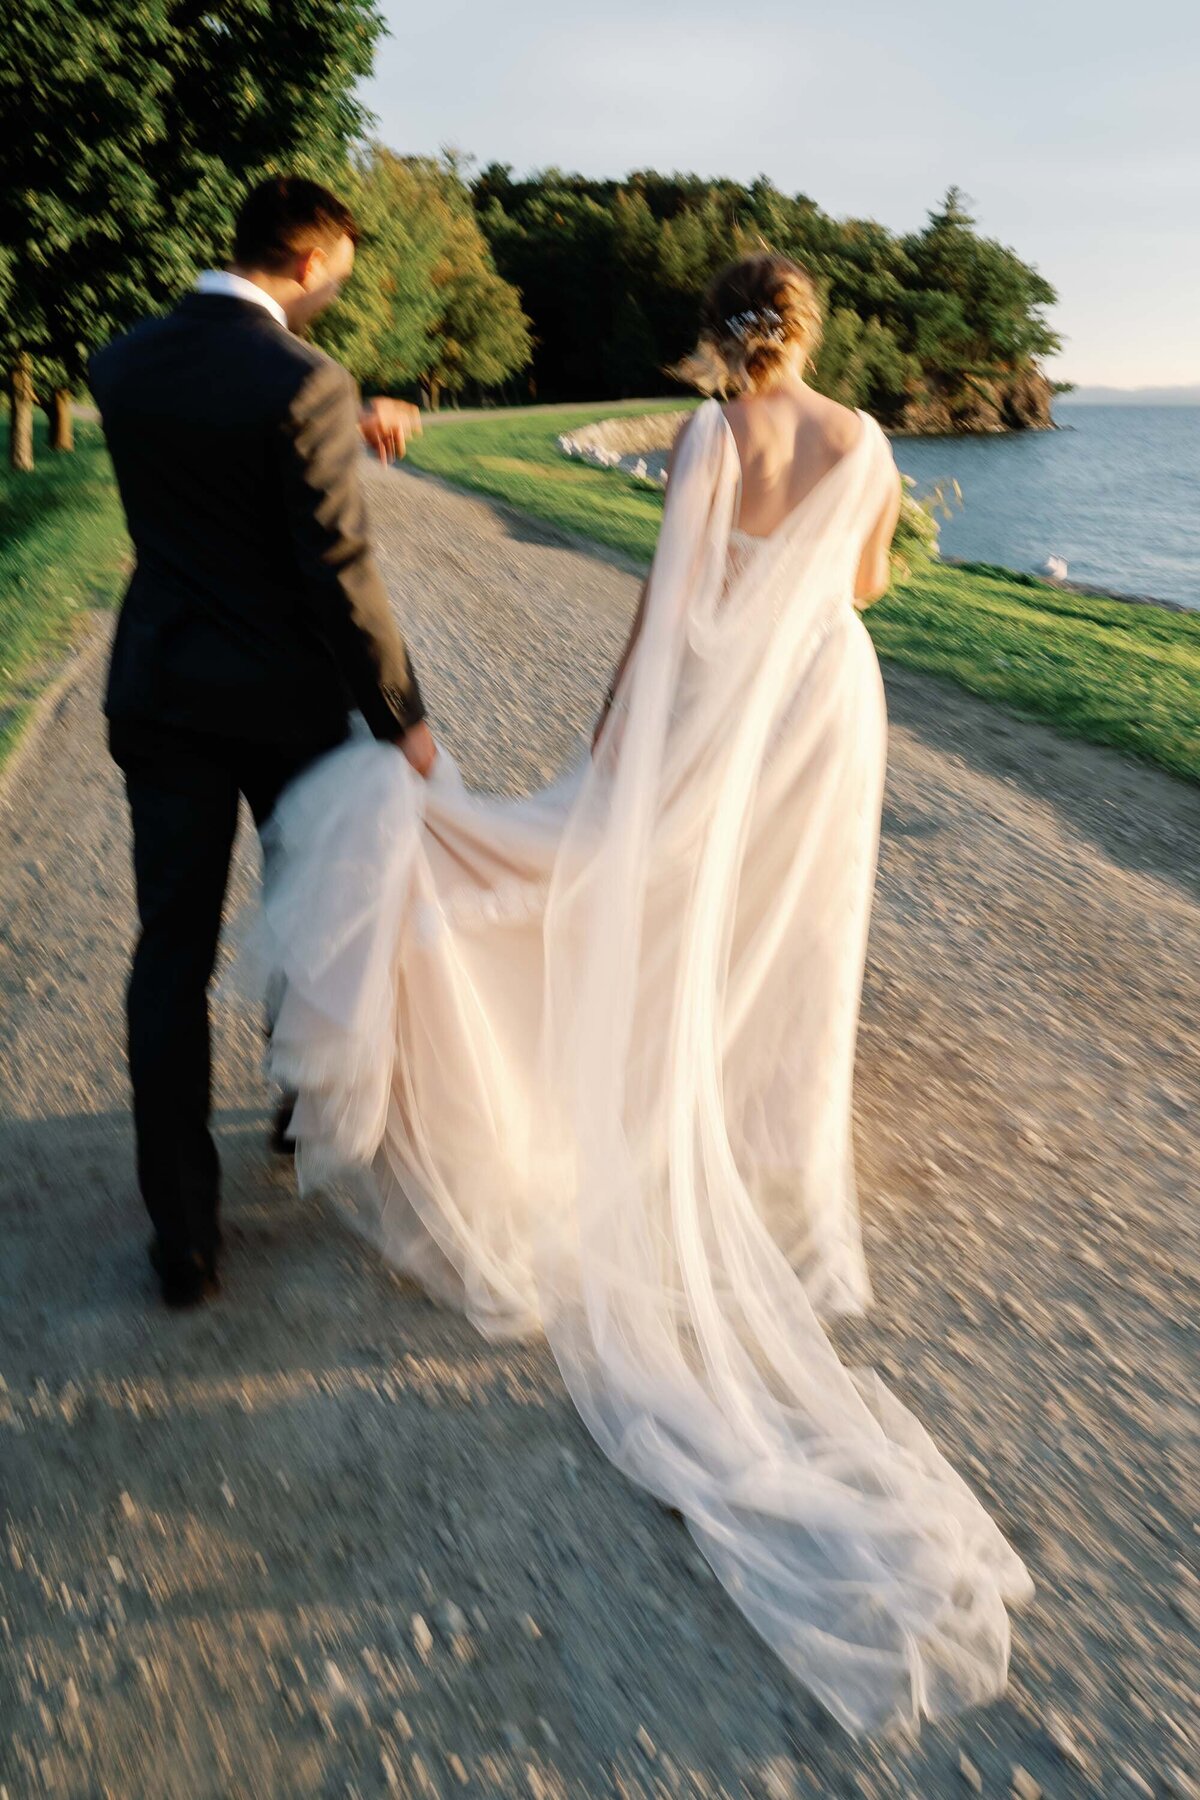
[(602, 1081)]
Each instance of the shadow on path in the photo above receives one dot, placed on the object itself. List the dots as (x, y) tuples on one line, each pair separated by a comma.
[(1140, 817)]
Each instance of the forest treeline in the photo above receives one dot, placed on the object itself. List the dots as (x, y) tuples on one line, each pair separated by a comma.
[(129, 133), (937, 329)]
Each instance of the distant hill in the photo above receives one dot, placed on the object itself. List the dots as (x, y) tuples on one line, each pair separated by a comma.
[(1147, 396)]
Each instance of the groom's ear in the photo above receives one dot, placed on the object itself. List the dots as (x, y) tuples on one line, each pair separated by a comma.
[(310, 267)]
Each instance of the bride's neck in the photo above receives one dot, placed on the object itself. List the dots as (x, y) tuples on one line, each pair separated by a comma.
[(791, 385)]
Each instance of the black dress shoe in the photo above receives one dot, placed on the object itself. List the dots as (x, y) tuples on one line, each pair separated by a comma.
[(281, 1143), (185, 1278)]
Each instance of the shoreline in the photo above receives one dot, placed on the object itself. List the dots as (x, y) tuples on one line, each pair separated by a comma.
[(628, 444), (956, 437), (1085, 590)]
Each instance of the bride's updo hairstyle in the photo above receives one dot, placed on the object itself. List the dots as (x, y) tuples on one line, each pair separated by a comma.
[(756, 314)]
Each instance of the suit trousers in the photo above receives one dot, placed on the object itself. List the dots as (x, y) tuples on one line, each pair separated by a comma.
[(183, 790)]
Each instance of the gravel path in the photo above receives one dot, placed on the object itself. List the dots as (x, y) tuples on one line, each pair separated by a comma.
[(320, 1540)]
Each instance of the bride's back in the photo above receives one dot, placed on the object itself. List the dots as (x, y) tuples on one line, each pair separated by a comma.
[(788, 438), (760, 324)]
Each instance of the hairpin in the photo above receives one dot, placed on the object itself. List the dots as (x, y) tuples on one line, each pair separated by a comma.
[(764, 321)]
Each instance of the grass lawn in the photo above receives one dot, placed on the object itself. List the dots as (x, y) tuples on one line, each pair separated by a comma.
[(514, 457), (63, 551), (1117, 674), (1123, 675)]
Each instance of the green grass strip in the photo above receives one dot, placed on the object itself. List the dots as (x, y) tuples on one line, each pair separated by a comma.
[(63, 552)]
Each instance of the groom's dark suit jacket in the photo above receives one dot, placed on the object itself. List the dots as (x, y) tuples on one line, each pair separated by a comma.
[(256, 609)]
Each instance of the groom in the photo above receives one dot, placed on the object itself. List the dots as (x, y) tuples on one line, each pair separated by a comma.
[(255, 622)]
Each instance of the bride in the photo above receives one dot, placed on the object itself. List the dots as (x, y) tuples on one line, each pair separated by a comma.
[(581, 1063)]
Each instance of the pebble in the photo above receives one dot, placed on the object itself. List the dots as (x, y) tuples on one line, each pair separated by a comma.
[(531, 1628), (970, 1773), (1023, 1784), (646, 1744), (1059, 1733), (111, 1615), (512, 1736), (1038, 1148), (401, 1726), (458, 1769), (451, 1620), (777, 1781), (421, 1776), (422, 1637)]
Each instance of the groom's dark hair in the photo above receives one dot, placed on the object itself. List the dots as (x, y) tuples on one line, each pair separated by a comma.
[(285, 217)]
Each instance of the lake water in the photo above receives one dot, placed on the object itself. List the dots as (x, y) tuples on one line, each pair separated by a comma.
[(1116, 492)]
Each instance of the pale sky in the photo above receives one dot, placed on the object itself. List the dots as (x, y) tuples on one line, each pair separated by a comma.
[(1074, 125)]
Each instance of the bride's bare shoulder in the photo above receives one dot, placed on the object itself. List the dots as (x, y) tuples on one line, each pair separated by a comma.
[(841, 424)]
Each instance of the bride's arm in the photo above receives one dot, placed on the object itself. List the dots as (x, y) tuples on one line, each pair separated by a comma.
[(874, 568)]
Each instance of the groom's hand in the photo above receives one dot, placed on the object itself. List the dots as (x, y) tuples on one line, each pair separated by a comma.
[(419, 748), (387, 425)]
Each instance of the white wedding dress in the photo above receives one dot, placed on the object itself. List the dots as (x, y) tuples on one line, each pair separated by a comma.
[(582, 1065)]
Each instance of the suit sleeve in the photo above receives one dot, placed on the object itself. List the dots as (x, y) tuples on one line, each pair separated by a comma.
[(341, 584)]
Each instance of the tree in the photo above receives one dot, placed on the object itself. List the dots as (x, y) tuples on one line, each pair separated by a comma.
[(480, 335), (131, 129), (426, 308), (860, 363), (381, 327), (81, 95), (612, 273), (977, 309), (556, 249)]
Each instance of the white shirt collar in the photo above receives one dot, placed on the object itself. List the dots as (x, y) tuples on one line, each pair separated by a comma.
[(236, 287)]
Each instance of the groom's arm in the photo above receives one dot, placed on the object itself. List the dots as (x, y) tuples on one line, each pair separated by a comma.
[(342, 586)]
